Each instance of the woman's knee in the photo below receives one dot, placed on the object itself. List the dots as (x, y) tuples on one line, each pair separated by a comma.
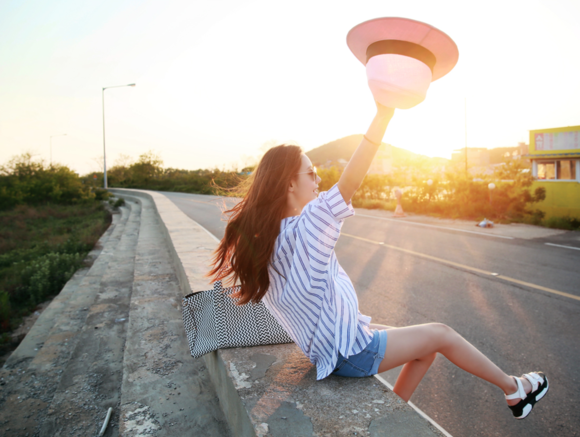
[(442, 334)]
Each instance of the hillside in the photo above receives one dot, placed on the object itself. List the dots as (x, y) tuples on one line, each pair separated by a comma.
[(343, 148)]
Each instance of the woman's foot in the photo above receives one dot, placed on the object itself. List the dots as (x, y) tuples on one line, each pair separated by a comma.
[(531, 388), (526, 386)]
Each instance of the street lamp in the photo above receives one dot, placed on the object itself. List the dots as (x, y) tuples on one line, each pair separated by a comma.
[(57, 135), (491, 187), (465, 135), (104, 152)]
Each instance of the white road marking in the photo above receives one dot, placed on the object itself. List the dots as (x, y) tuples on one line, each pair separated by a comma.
[(465, 267), (560, 245), (417, 409), (434, 226)]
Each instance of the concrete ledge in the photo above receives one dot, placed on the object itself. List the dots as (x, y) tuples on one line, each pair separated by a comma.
[(272, 390), (279, 392), (189, 243)]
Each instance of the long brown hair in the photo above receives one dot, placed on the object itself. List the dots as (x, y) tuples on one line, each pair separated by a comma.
[(246, 249)]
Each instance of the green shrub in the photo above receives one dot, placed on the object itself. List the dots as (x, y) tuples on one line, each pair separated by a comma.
[(374, 204), (536, 217), (329, 177), (567, 223), (40, 248), (453, 192), (49, 220), (5, 311), (45, 277), (26, 181), (101, 194), (575, 222), (148, 173), (120, 202)]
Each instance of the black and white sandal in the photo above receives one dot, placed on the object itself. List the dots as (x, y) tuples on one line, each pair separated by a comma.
[(540, 386)]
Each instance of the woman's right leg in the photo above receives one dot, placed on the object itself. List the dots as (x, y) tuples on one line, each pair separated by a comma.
[(411, 375), (419, 342)]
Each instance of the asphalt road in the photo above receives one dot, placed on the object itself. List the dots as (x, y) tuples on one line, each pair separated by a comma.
[(421, 275)]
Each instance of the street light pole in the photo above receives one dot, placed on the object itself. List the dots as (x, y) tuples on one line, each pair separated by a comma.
[(57, 135), (104, 151), (465, 135)]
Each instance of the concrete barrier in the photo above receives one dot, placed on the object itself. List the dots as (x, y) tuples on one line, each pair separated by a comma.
[(272, 390)]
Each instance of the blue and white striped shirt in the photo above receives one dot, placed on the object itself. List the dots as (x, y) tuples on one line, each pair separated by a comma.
[(315, 301)]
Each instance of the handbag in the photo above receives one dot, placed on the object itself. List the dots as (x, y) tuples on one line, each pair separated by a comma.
[(213, 321)]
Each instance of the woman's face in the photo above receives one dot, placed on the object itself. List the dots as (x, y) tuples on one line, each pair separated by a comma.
[(304, 186)]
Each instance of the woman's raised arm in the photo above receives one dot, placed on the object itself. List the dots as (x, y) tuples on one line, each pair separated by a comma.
[(361, 160)]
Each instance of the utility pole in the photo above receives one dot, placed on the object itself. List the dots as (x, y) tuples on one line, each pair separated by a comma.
[(465, 108), (105, 185)]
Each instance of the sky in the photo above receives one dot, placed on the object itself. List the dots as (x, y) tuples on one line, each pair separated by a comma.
[(218, 81)]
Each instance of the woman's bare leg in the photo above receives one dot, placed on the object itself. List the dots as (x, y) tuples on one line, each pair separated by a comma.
[(411, 375), (418, 344), (412, 372)]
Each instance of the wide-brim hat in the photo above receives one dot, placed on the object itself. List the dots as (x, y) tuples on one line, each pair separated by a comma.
[(403, 36)]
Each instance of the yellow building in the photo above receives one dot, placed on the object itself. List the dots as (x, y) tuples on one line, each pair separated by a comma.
[(555, 156)]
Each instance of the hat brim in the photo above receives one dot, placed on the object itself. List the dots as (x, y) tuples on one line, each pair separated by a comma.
[(405, 29)]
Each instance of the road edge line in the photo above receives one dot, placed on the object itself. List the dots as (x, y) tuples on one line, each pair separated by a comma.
[(468, 268), (561, 245), (416, 408)]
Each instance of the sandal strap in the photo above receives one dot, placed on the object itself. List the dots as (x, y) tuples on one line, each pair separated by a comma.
[(520, 392), (535, 379)]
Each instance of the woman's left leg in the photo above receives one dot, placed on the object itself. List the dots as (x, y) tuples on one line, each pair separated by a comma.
[(415, 347), (411, 343)]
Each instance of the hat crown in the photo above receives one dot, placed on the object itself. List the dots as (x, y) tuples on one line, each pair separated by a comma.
[(361, 36), (402, 58)]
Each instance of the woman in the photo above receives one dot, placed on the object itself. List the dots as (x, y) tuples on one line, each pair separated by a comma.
[(279, 244)]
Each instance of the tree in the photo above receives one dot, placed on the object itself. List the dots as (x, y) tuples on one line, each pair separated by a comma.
[(26, 180), (512, 195), (148, 167)]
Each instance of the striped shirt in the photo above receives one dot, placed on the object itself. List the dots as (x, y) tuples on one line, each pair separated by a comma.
[(312, 297)]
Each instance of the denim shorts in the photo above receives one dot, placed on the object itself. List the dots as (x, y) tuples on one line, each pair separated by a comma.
[(366, 362)]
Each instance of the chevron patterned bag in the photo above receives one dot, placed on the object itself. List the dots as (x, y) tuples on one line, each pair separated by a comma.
[(213, 321)]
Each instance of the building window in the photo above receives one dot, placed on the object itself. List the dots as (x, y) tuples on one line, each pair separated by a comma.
[(566, 169), (546, 170)]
